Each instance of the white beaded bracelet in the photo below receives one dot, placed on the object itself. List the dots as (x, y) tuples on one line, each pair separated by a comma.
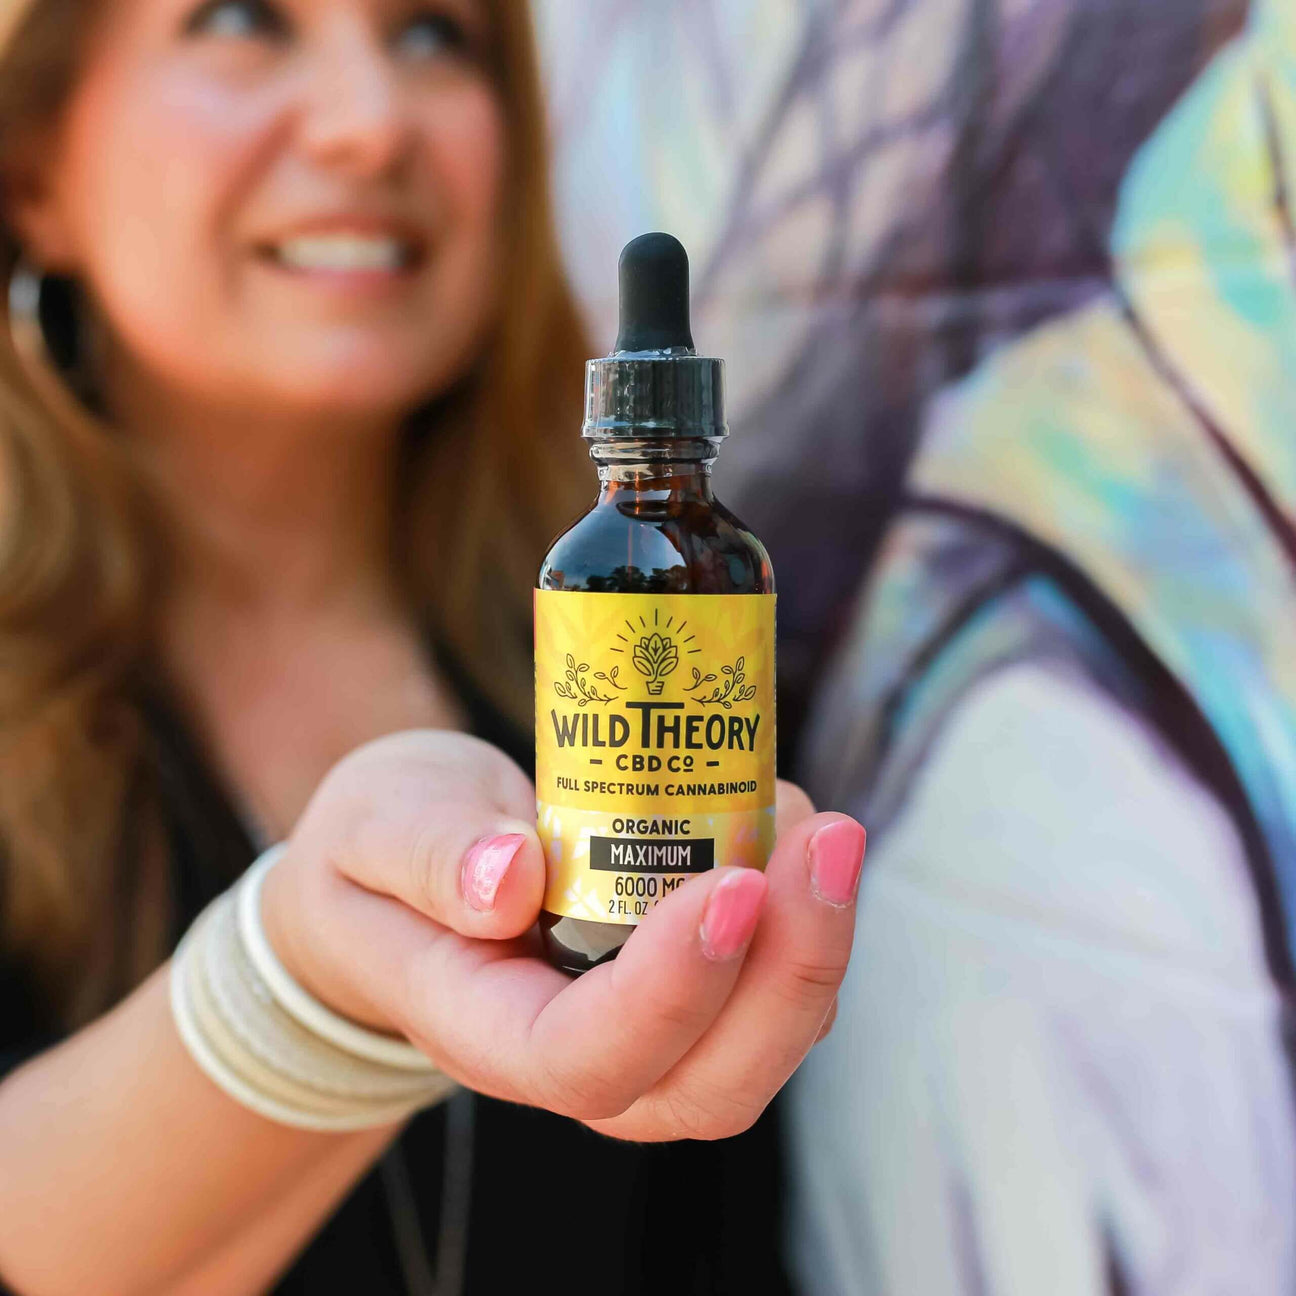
[(273, 1047)]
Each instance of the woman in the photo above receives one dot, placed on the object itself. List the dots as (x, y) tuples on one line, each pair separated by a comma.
[(277, 489)]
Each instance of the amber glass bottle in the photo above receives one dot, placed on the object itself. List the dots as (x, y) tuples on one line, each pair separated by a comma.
[(654, 641)]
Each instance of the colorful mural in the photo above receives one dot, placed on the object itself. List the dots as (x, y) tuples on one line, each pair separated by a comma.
[(875, 194), (1009, 291)]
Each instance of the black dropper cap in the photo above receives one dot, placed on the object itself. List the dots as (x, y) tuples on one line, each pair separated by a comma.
[(654, 384), (654, 274)]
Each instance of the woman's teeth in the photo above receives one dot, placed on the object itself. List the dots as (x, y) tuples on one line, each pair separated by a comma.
[(341, 253)]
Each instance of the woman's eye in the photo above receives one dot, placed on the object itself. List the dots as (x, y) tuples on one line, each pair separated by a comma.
[(430, 34), (235, 19)]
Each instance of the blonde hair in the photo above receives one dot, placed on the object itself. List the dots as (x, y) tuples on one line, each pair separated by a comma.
[(83, 862)]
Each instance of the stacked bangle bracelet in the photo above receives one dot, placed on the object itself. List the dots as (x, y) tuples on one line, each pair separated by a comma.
[(272, 1046)]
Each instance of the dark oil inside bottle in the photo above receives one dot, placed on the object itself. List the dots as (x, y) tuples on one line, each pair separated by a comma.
[(656, 529)]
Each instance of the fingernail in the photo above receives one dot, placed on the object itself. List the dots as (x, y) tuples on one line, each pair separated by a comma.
[(836, 857), (731, 913), (484, 867)]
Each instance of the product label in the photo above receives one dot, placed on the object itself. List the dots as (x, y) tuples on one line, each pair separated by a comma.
[(654, 743)]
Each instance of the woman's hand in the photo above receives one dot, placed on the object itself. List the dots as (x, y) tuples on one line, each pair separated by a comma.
[(405, 900)]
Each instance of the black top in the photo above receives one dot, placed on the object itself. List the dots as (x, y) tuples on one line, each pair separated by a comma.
[(481, 1196)]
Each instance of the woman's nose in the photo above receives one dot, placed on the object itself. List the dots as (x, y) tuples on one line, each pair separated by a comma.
[(355, 117)]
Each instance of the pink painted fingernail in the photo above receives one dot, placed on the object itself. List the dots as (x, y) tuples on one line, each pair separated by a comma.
[(484, 867), (836, 858), (731, 913)]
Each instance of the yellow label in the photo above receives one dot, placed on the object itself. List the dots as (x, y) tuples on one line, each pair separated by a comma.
[(654, 743)]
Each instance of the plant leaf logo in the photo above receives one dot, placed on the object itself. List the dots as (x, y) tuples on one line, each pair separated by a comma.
[(653, 651), (576, 688), (655, 656), (732, 690)]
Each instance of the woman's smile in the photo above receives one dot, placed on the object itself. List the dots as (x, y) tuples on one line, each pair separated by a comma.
[(347, 254)]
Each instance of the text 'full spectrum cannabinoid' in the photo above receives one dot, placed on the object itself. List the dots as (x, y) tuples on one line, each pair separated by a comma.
[(654, 623)]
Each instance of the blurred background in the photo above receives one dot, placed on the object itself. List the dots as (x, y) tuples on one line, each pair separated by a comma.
[(1006, 292), (874, 196)]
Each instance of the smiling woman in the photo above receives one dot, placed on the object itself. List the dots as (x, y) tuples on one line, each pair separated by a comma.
[(287, 396), (338, 213)]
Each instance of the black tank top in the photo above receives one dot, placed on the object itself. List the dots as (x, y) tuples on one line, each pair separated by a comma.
[(480, 1197)]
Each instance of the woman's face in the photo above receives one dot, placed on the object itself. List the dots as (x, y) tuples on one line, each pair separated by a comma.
[(282, 203)]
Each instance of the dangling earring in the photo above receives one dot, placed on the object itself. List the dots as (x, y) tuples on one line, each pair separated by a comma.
[(28, 336), (39, 302)]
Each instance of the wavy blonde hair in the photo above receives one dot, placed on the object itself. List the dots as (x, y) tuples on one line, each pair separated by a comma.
[(83, 862)]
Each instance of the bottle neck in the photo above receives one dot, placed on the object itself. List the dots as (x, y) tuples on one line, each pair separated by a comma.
[(676, 468)]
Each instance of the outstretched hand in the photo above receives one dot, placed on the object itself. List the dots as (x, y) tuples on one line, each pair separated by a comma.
[(408, 896)]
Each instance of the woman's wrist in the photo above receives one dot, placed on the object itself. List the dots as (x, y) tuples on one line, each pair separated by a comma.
[(297, 950), (271, 1045)]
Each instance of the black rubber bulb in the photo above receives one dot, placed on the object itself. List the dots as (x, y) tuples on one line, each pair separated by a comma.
[(654, 275)]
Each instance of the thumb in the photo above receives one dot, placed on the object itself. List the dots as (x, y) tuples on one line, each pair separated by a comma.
[(441, 821)]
